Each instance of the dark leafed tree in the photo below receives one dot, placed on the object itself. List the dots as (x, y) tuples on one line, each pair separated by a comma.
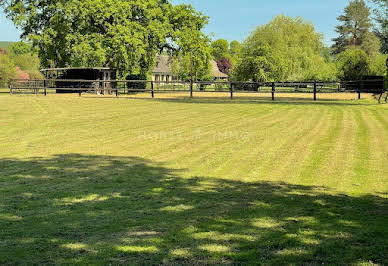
[(126, 34), (224, 65), (355, 29)]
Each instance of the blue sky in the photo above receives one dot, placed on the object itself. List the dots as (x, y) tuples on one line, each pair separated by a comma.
[(234, 20)]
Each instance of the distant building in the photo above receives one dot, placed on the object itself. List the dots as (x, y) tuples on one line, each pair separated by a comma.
[(162, 71), (217, 74), (94, 74)]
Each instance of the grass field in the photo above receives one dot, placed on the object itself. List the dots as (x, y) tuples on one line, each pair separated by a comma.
[(89, 180)]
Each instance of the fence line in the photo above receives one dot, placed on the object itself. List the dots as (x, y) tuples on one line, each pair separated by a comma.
[(116, 87)]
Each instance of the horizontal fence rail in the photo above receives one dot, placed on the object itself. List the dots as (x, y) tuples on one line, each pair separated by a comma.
[(116, 87)]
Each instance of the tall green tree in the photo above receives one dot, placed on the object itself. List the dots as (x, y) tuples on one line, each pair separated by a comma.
[(234, 48), (285, 49), (355, 30), (381, 16), (219, 49), (126, 34)]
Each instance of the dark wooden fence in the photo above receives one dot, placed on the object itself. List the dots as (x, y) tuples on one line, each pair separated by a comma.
[(117, 87)]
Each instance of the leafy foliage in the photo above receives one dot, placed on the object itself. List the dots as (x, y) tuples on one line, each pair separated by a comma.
[(224, 65), (353, 64), (234, 48), (20, 48), (355, 30), (26, 58), (381, 16), (7, 70), (284, 49), (126, 34), (181, 65), (220, 48), (378, 66)]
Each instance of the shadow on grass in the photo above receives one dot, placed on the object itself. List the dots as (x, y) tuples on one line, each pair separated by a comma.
[(100, 209)]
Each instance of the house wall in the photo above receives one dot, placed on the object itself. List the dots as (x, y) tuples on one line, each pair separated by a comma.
[(163, 77)]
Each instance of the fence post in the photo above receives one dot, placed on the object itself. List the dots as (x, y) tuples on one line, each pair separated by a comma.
[(152, 89), (361, 89), (10, 87), (273, 91), (191, 88), (315, 91), (44, 87), (231, 91)]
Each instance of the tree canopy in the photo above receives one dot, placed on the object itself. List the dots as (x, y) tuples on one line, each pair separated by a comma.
[(353, 64), (7, 70), (220, 48), (381, 16), (234, 48), (126, 34), (355, 30), (285, 49)]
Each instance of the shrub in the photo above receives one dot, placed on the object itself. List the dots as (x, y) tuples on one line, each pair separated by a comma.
[(353, 64), (137, 85), (7, 70)]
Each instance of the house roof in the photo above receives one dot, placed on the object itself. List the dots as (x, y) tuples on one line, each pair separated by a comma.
[(216, 72), (163, 67)]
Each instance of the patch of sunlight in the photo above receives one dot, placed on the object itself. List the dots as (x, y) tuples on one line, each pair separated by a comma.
[(310, 241), (75, 246), (28, 240), (305, 219), (157, 190), (291, 251), (136, 249), (222, 237), (26, 176), (265, 222), (320, 202), (215, 248), (205, 186), (260, 204), (52, 168), (177, 208), (190, 229), (87, 198), (98, 213), (366, 263), (349, 223), (142, 233), (10, 217), (181, 252)]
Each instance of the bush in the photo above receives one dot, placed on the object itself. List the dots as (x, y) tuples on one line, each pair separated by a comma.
[(379, 67), (137, 85), (7, 70), (353, 64)]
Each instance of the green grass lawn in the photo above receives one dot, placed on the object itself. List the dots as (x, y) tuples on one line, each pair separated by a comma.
[(89, 180)]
